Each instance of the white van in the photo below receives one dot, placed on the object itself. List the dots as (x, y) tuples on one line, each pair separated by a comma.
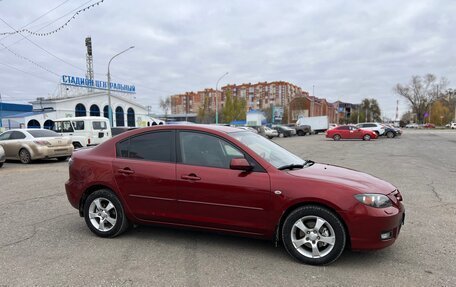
[(84, 131)]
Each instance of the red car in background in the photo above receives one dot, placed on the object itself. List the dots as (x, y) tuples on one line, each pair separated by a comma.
[(350, 132), (234, 181)]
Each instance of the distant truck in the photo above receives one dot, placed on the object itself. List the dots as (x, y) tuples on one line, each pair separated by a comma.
[(84, 131), (318, 124)]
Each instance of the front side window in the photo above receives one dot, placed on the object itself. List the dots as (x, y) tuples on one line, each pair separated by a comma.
[(5, 136), (206, 150), (78, 125), (156, 146)]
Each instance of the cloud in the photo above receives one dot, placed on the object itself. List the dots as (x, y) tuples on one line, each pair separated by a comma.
[(347, 50)]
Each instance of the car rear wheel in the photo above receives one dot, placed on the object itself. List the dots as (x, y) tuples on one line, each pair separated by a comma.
[(301, 133), (25, 156), (104, 214), (390, 134), (366, 138), (336, 137), (314, 235)]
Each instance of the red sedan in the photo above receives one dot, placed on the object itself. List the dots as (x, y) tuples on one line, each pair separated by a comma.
[(229, 180), (350, 132)]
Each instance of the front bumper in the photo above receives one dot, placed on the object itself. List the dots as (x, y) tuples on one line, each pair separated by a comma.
[(367, 224)]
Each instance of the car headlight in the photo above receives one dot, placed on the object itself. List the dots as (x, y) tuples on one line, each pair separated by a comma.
[(374, 200)]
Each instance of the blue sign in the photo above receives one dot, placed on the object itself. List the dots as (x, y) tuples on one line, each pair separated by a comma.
[(96, 84)]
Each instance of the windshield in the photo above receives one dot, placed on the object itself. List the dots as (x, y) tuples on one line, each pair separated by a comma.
[(269, 151), (43, 133)]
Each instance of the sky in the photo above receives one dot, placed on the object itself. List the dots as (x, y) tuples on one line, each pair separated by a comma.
[(346, 50)]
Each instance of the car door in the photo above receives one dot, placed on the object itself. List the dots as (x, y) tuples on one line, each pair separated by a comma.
[(356, 133), (145, 173), (210, 194), (344, 132), (13, 144)]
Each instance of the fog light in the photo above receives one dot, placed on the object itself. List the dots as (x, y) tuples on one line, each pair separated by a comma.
[(386, 235)]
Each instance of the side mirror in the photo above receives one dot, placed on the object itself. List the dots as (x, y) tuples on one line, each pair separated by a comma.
[(240, 164)]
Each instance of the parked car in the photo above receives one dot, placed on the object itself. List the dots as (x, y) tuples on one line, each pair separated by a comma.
[(31, 144), (375, 127), (350, 132), (84, 131), (267, 132), (235, 182), (284, 131), (303, 130), (331, 126), (391, 132), (452, 125), (2, 156), (412, 126), (428, 126), (248, 129)]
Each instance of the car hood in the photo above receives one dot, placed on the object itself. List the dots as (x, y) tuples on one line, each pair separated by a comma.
[(344, 177)]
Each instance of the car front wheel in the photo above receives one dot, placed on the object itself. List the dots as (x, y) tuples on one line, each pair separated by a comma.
[(390, 135), (314, 235), (336, 137), (104, 214)]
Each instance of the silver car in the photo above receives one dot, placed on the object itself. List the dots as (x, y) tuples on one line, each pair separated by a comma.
[(30, 144), (2, 156)]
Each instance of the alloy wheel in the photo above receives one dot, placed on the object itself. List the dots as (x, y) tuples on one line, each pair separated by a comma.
[(102, 214)]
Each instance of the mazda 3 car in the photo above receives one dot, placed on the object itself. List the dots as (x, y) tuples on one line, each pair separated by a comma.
[(228, 180)]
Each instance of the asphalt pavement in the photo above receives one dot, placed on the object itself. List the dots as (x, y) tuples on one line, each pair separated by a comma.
[(44, 242)]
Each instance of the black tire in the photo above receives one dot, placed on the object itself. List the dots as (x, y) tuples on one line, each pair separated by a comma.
[(301, 133), (332, 227), (366, 137), (1, 164), (337, 137), (117, 212), (77, 145), (270, 138), (390, 135), (24, 156), (62, 158)]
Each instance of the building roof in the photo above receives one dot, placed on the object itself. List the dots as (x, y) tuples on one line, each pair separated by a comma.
[(27, 114)]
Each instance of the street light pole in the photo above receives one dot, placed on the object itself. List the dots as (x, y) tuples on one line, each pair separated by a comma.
[(216, 100), (109, 85)]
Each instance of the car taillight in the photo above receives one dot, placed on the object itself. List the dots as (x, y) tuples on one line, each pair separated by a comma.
[(46, 143)]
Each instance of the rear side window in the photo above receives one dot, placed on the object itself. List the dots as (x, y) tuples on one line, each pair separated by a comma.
[(345, 128), (99, 125), (17, 135), (78, 125), (156, 146)]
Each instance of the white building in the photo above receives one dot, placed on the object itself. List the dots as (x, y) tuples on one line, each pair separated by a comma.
[(126, 113)]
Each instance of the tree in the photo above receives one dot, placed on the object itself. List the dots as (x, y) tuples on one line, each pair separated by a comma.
[(268, 114), (234, 108), (369, 111), (165, 104), (421, 92), (440, 113), (205, 114)]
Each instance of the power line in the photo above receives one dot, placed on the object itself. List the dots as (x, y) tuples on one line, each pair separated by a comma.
[(43, 49), (30, 61), (39, 17), (14, 68), (55, 30)]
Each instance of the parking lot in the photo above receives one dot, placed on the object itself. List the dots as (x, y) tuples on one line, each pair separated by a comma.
[(43, 241)]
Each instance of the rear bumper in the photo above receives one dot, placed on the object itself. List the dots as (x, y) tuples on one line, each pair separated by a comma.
[(40, 152), (72, 191), (367, 224)]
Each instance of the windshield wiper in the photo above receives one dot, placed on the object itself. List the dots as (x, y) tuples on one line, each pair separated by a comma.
[(291, 166), (309, 162)]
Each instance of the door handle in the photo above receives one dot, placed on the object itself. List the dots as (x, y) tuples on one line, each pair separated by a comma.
[(191, 176), (126, 171)]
